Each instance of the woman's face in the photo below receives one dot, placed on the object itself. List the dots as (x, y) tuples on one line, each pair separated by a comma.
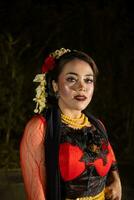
[(75, 86)]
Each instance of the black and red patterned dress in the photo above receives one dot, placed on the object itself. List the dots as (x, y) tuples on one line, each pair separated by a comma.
[(75, 164), (85, 158)]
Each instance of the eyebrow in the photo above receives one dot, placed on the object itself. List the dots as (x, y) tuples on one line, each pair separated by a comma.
[(73, 73)]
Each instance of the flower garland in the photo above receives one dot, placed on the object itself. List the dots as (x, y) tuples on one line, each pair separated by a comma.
[(49, 64), (41, 95)]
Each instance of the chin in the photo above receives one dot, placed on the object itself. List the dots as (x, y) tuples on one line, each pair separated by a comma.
[(80, 108)]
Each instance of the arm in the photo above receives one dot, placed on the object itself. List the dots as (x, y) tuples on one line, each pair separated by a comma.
[(113, 190), (32, 159)]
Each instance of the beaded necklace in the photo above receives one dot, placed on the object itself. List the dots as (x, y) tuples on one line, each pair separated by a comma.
[(76, 123)]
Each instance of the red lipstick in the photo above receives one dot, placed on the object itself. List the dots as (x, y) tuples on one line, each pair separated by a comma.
[(80, 97)]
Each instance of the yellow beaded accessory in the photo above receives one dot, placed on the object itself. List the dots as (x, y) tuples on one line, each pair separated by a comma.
[(49, 64), (76, 123)]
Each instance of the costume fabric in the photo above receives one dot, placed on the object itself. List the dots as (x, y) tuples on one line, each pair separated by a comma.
[(32, 158), (76, 161), (85, 158)]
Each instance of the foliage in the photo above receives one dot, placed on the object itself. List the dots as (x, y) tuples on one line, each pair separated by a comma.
[(11, 84), (9, 156)]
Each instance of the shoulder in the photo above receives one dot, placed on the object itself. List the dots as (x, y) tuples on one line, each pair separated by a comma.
[(36, 120), (97, 123), (35, 129), (101, 124)]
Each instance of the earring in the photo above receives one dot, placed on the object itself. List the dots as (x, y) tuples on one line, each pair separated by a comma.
[(57, 95)]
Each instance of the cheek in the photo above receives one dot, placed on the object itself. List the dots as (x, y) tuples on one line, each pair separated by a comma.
[(90, 90), (64, 89)]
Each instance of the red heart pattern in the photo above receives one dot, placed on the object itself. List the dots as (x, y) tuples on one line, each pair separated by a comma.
[(69, 161), (71, 166)]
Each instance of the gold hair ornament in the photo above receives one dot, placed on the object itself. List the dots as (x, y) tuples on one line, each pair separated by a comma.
[(58, 53)]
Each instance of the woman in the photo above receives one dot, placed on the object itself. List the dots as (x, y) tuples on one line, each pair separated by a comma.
[(65, 153)]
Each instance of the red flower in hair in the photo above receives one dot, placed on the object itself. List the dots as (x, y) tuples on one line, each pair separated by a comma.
[(49, 64), (104, 146)]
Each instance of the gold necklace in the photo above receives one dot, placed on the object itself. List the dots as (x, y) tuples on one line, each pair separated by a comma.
[(76, 123)]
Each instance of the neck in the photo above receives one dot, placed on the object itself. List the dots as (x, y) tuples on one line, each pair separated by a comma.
[(71, 113)]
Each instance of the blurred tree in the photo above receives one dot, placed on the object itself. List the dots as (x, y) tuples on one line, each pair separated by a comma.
[(11, 85)]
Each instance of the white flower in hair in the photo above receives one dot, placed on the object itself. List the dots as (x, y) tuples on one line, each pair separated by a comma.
[(40, 97), (49, 64)]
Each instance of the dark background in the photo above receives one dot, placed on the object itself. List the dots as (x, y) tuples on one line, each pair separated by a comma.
[(30, 29)]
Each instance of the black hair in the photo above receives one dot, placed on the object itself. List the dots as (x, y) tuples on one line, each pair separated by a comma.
[(59, 66)]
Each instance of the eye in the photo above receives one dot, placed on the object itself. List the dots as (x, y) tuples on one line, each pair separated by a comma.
[(71, 79), (89, 80)]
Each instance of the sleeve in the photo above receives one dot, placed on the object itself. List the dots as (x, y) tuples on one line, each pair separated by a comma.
[(114, 161), (32, 158)]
